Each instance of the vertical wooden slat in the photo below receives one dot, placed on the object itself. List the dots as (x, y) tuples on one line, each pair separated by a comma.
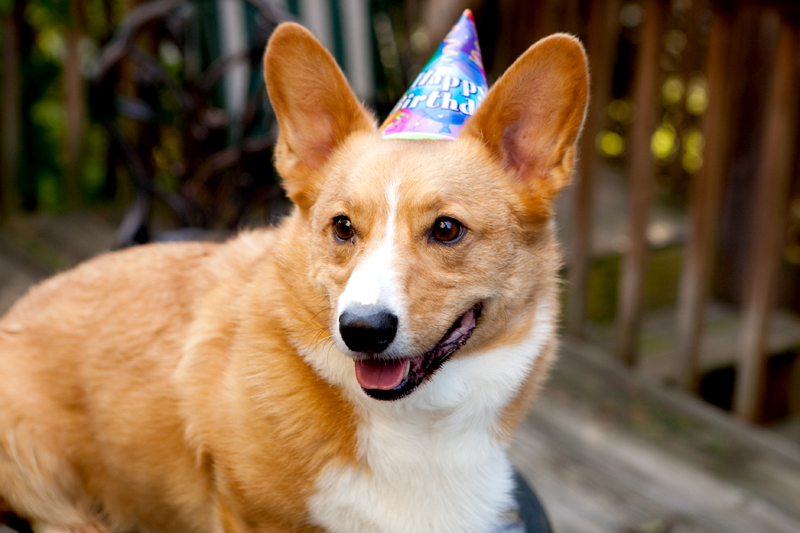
[(572, 17), (641, 179), (74, 96), (601, 41), (704, 205), (517, 26), (772, 187), (10, 133), (549, 19)]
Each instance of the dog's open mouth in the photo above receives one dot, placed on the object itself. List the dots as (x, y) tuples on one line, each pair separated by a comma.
[(391, 379)]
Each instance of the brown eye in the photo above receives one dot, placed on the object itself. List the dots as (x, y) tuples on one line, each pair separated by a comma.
[(447, 230), (343, 229)]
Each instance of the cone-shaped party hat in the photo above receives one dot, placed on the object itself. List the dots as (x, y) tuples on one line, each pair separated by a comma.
[(447, 91)]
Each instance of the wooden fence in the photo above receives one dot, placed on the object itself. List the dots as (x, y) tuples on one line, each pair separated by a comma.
[(775, 171)]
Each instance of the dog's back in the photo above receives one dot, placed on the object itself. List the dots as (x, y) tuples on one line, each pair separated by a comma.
[(87, 409)]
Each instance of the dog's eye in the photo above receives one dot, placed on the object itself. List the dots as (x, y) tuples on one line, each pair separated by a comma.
[(447, 230), (343, 229)]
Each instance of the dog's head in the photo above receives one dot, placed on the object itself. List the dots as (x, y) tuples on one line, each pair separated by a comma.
[(422, 245)]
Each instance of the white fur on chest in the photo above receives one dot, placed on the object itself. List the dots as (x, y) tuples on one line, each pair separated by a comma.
[(433, 461)]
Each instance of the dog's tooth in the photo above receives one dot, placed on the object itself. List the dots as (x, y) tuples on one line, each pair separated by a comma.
[(408, 370)]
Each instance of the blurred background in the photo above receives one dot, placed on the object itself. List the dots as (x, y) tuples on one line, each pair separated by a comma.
[(676, 406)]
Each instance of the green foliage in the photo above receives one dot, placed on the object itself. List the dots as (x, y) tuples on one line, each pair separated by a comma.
[(100, 24), (42, 129), (41, 14), (43, 29), (92, 176), (49, 192)]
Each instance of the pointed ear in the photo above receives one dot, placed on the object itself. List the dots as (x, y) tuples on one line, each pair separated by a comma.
[(532, 117), (314, 105)]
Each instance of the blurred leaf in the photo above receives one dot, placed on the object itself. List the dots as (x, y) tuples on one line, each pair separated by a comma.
[(48, 192), (6, 6), (697, 96), (44, 12), (51, 42), (664, 142), (93, 168), (693, 143), (672, 90), (610, 144), (620, 110)]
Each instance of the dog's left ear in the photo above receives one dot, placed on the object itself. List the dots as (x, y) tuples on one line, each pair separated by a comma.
[(532, 117), (314, 105)]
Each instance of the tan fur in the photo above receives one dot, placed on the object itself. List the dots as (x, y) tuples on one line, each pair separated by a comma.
[(183, 387)]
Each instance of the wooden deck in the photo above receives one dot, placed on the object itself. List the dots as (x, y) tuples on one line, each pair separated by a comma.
[(607, 451), (610, 452)]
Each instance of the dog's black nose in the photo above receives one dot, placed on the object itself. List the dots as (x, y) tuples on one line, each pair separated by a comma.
[(367, 328)]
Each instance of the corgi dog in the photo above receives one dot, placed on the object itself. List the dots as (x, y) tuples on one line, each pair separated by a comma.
[(360, 368)]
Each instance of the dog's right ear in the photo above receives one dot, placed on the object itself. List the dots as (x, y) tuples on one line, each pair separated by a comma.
[(531, 119), (314, 105)]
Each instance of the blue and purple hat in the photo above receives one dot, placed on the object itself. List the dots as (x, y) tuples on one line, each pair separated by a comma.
[(447, 91)]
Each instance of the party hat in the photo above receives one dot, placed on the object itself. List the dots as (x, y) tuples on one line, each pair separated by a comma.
[(447, 91)]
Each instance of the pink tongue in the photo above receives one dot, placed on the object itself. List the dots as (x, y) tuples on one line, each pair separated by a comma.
[(382, 375)]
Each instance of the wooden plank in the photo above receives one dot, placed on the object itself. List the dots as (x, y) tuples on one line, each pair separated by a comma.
[(11, 125), (16, 278), (719, 345), (59, 242), (704, 206), (33, 248), (617, 481), (641, 178), (608, 451), (777, 159), (605, 385), (602, 37), (75, 99)]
